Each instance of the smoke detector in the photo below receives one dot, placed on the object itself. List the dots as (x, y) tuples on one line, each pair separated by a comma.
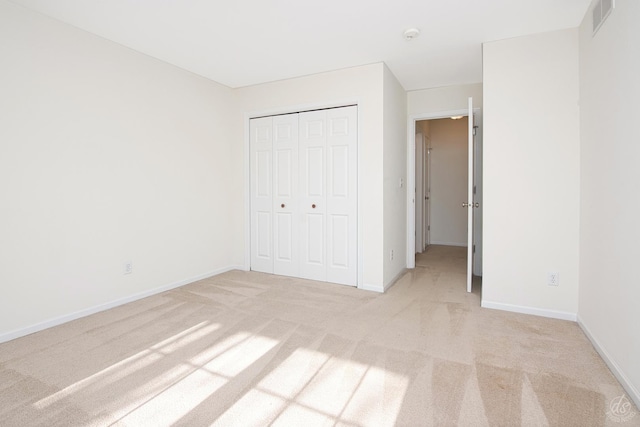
[(411, 33)]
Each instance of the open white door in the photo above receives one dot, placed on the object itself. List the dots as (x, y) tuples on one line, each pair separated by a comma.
[(470, 204)]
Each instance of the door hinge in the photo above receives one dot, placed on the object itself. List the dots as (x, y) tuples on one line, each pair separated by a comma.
[(475, 129), (474, 189), (474, 249), (429, 227)]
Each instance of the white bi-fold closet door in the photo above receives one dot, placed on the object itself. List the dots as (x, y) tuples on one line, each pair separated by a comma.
[(303, 195)]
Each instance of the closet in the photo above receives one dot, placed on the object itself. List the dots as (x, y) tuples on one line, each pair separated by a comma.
[(304, 195)]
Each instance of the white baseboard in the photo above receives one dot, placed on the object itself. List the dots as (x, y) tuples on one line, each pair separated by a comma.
[(372, 288), (8, 336), (553, 314), (448, 243), (383, 288), (633, 392), (395, 279)]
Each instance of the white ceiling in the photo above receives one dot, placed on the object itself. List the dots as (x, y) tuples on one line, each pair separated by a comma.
[(246, 42)]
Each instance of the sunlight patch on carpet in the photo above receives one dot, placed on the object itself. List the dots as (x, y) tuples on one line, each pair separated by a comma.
[(131, 364)]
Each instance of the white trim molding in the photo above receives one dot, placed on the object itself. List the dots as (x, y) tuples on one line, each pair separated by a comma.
[(633, 392), (372, 288), (460, 245), (552, 314), (8, 336), (395, 279), (383, 288)]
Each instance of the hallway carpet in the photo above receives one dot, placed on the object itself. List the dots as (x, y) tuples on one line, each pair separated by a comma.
[(251, 349)]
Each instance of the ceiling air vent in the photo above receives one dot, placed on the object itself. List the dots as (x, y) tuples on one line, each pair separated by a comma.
[(601, 11)]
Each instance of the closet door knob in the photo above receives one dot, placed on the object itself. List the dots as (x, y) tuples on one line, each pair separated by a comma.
[(282, 205), (313, 206)]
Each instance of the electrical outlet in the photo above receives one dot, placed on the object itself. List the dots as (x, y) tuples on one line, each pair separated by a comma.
[(391, 255), (553, 279), (128, 267)]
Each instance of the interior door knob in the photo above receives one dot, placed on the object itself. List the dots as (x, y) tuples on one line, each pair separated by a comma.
[(282, 205), (313, 206), (477, 205), (465, 205)]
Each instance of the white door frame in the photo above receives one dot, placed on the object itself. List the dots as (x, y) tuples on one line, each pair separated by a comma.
[(420, 191), (471, 179), (411, 173), (426, 202), (247, 173)]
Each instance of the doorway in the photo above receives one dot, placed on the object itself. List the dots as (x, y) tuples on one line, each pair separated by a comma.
[(439, 198), (441, 182)]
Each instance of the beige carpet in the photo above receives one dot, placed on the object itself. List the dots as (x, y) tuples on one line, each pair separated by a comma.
[(250, 349)]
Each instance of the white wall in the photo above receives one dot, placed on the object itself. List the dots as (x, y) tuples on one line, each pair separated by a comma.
[(609, 227), (109, 156), (449, 173), (531, 173), (441, 99), (106, 155), (361, 85), (395, 177)]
